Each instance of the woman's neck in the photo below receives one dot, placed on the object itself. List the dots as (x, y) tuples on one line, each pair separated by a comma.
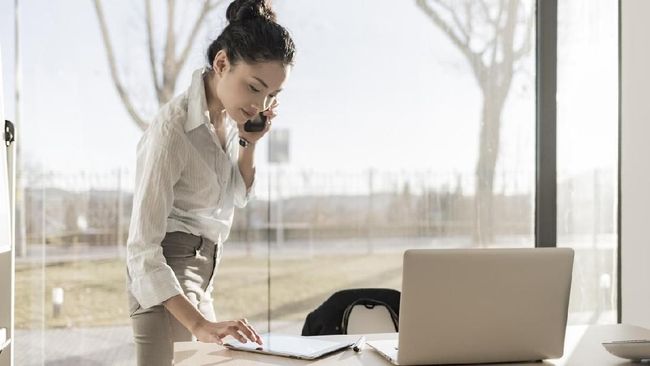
[(215, 108)]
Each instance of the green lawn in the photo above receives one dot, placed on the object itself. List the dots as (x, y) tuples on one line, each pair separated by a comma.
[(95, 292)]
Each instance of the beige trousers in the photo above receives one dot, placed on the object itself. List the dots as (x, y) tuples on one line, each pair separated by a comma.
[(194, 260)]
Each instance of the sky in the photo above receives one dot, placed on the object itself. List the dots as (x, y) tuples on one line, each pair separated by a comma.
[(375, 85)]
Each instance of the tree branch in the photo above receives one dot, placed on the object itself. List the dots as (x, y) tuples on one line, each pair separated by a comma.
[(139, 121), (440, 23), (527, 42), (169, 60), (501, 37), (468, 17), (208, 6), (214, 5), (486, 11), (474, 58), (507, 35), (461, 28), (502, 6), (510, 26), (152, 53)]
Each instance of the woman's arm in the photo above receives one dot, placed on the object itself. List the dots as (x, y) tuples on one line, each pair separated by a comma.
[(161, 156), (205, 330), (246, 160), (247, 164)]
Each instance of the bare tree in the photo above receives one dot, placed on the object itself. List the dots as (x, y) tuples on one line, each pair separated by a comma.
[(164, 72), (493, 36)]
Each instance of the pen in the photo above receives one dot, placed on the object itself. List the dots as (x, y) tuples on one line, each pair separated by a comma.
[(358, 345)]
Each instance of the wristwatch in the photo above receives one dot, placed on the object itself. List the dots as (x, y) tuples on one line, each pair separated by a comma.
[(243, 143)]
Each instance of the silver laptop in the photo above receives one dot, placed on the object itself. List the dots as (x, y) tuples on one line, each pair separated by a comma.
[(481, 306)]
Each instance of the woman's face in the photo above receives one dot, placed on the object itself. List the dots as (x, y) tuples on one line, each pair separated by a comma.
[(245, 89)]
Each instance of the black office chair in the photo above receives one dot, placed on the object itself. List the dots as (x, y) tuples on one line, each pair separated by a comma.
[(354, 311)]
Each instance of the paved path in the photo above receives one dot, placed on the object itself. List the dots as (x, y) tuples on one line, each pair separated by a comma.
[(70, 347)]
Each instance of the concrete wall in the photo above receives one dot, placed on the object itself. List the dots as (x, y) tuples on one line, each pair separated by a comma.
[(635, 161)]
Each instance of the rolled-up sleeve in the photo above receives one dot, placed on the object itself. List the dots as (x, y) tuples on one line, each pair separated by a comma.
[(160, 160), (241, 194)]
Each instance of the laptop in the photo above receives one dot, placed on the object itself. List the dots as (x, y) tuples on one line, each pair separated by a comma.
[(481, 306), (304, 348)]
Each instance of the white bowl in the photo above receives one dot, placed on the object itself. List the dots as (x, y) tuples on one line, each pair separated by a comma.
[(635, 350)]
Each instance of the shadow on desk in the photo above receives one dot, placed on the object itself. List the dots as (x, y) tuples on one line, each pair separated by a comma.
[(181, 356)]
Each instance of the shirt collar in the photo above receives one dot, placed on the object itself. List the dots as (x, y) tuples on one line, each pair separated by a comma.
[(197, 104)]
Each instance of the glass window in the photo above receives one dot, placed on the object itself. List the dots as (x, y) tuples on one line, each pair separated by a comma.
[(587, 151), (403, 125), (408, 125)]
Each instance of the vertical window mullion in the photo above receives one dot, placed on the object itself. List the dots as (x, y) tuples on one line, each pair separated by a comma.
[(546, 132)]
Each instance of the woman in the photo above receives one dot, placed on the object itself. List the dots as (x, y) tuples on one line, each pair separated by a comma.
[(195, 163)]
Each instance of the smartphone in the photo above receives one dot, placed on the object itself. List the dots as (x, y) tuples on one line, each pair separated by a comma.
[(256, 124)]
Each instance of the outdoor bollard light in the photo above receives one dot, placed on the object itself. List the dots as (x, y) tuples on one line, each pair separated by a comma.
[(57, 301)]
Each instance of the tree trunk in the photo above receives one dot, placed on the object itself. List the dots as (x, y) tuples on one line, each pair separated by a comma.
[(484, 173)]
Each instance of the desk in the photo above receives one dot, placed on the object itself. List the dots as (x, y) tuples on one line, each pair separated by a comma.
[(582, 347)]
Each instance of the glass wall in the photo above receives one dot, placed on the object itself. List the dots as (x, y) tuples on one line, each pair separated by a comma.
[(77, 154), (403, 125), (393, 133), (587, 153)]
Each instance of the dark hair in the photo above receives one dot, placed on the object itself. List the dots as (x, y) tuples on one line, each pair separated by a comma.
[(253, 35)]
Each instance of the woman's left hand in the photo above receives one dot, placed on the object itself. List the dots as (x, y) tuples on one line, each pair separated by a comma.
[(253, 137)]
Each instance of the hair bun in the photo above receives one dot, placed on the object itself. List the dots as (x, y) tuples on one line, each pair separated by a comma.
[(245, 10)]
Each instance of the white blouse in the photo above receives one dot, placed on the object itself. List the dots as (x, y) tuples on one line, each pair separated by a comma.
[(185, 181)]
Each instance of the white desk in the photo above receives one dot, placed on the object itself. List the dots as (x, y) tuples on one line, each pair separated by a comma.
[(582, 347)]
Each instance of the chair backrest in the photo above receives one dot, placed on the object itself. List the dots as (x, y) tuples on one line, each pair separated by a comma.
[(354, 311), (369, 316)]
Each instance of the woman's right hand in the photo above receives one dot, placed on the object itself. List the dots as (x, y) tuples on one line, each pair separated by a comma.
[(211, 332)]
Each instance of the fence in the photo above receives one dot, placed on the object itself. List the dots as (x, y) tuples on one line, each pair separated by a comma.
[(94, 209)]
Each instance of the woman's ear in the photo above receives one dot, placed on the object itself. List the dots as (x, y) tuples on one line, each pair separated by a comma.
[(220, 63)]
